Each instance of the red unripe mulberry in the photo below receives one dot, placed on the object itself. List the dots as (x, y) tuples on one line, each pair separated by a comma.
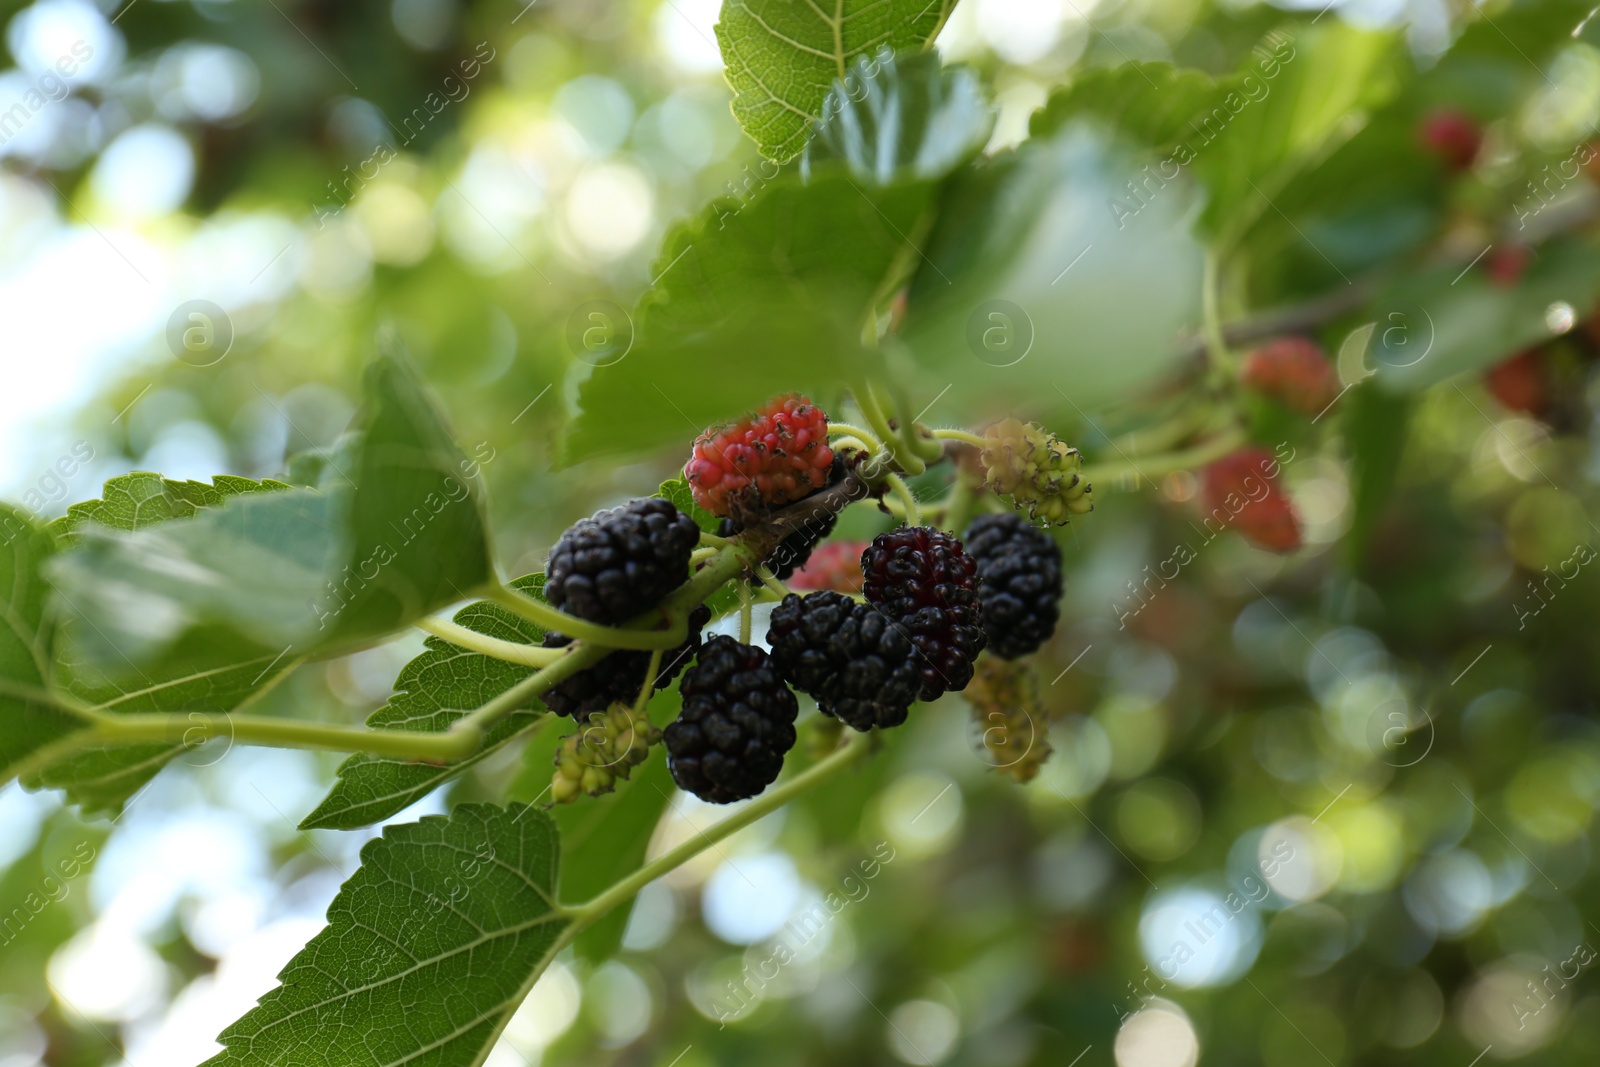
[(1293, 371), (1521, 382), (771, 457), (1242, 493), (835, 565), (1454, 136)]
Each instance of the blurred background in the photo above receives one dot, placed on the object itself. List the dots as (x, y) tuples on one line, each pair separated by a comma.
[(1299, 811)]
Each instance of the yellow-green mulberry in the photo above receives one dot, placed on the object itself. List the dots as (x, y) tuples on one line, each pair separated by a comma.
[(1006, 714), (1037, 470), (590, 761)]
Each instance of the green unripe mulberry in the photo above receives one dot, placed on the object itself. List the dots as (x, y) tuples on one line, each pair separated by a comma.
[(590, 761), (1037, 471)]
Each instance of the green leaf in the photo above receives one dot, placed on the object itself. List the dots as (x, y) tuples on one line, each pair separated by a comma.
[(308, 467), (902, 118), (246, 574), (782, 56), (102, 778), (1377, 197), (430, 947), (134, 501), (677, 490), (1037, 292), (183, 596), (1435, 323), (431, 693), (754, 299), (1498, 59), (609, 838), (307, 571), (30, 718), (1295, 100), (221, 676), (1152, 103), (415, 517)]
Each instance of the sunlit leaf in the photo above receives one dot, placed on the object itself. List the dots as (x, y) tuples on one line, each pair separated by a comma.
[(219, 673), (902, 118), (1037, 291), (754, 298), (783, 56), (293, 572), (134, 501), (30, 718), (430, 946), (415, 523)]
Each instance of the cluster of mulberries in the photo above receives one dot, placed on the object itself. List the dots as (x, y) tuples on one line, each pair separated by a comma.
[(886, 624)]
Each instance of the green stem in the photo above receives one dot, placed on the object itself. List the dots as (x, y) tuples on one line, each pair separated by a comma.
[(874, 415), (745, 621), (963, 436), (574, 659), (880, 424), (903, 491), (493, 647), (463, 739), (1211, 315), (958, 505), (649, 686), (909, 450), (1155, 466), (723, 567), (770, 580), (195, 728), (1164, 435), (927, 447), (822, 771), (547, 617), (870, 439)]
